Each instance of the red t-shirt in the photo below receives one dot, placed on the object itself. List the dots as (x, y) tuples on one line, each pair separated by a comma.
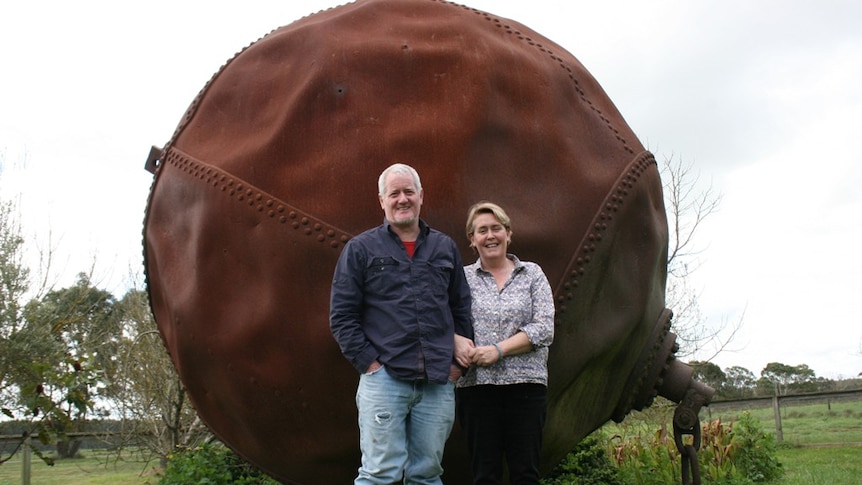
[(410, 246)]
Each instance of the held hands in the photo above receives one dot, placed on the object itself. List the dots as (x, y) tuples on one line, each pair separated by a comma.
[(486, 355), (467, 354)]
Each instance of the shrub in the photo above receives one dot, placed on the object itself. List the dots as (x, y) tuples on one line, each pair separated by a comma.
[(650, 459), (211, 464), (586, 464), (730, 454), (755, 450)]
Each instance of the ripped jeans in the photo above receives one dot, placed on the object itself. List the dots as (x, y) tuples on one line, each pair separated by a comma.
[(403, 427)]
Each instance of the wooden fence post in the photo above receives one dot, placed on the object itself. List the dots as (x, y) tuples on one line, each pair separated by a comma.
[(776, 408), (25, 462)]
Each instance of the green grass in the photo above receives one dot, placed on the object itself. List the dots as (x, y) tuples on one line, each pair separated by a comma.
[(803, 426), (806, 424), (94, 468), (821, 466)]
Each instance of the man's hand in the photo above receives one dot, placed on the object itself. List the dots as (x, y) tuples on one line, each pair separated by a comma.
[(463, 348), (455, 373), (373, 366)]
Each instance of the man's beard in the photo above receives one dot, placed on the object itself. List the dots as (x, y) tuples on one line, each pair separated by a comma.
[(404, 222)]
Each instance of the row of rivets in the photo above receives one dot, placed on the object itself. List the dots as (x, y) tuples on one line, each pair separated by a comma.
[(258, 200), (643, 368), (559, 60), (601, 223)]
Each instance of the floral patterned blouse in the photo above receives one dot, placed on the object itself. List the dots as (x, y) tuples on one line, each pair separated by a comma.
[(525, 304)]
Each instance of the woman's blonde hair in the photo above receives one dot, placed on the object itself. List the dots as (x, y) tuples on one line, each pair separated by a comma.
[(485, 207)]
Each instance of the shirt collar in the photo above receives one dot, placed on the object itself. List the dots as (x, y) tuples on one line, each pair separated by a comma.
[(518, 264)]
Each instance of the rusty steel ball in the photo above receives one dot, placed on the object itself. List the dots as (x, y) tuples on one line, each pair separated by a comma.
[(274, 166)]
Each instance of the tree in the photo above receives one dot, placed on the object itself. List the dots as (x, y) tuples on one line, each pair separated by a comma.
[(784, 377), (710, 374), (84, 330), (22, 347), (64, 352), (14, 283), (741, 382), (688, 206)]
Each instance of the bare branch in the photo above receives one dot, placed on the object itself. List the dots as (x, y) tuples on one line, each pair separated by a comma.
[(688, 205)]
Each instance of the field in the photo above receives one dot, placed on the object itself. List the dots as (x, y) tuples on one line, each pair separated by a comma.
[(827, 422), (823, 446), (821, 466), (94, 468)]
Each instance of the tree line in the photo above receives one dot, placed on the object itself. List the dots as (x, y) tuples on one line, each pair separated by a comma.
[(775, 379)]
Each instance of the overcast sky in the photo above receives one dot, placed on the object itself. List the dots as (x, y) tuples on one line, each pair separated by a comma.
[(763, 97)]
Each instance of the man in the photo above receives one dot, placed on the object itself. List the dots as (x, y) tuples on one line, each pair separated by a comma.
[(399, 297)]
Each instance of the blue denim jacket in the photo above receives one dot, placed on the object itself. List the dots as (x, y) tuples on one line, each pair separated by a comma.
[(399, 310)]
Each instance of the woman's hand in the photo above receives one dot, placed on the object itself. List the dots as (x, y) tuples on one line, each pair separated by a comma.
[(485, 355)]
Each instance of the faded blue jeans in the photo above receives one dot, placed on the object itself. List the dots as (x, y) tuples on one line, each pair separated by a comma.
[(403, 427)]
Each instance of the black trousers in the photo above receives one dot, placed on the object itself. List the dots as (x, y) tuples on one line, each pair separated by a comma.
[(503, 423)]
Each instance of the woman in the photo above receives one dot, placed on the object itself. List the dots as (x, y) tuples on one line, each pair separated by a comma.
[(502, 398)]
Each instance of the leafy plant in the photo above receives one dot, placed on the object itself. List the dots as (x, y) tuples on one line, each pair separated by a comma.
[(755, 450), (650, 459), (211, 464), (732, 453), (586, 464)]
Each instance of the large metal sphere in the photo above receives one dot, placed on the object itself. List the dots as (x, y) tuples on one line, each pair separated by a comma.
[(274, 167)]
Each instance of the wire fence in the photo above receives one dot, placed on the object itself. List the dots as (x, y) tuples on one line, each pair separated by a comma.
[(837, 414)]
